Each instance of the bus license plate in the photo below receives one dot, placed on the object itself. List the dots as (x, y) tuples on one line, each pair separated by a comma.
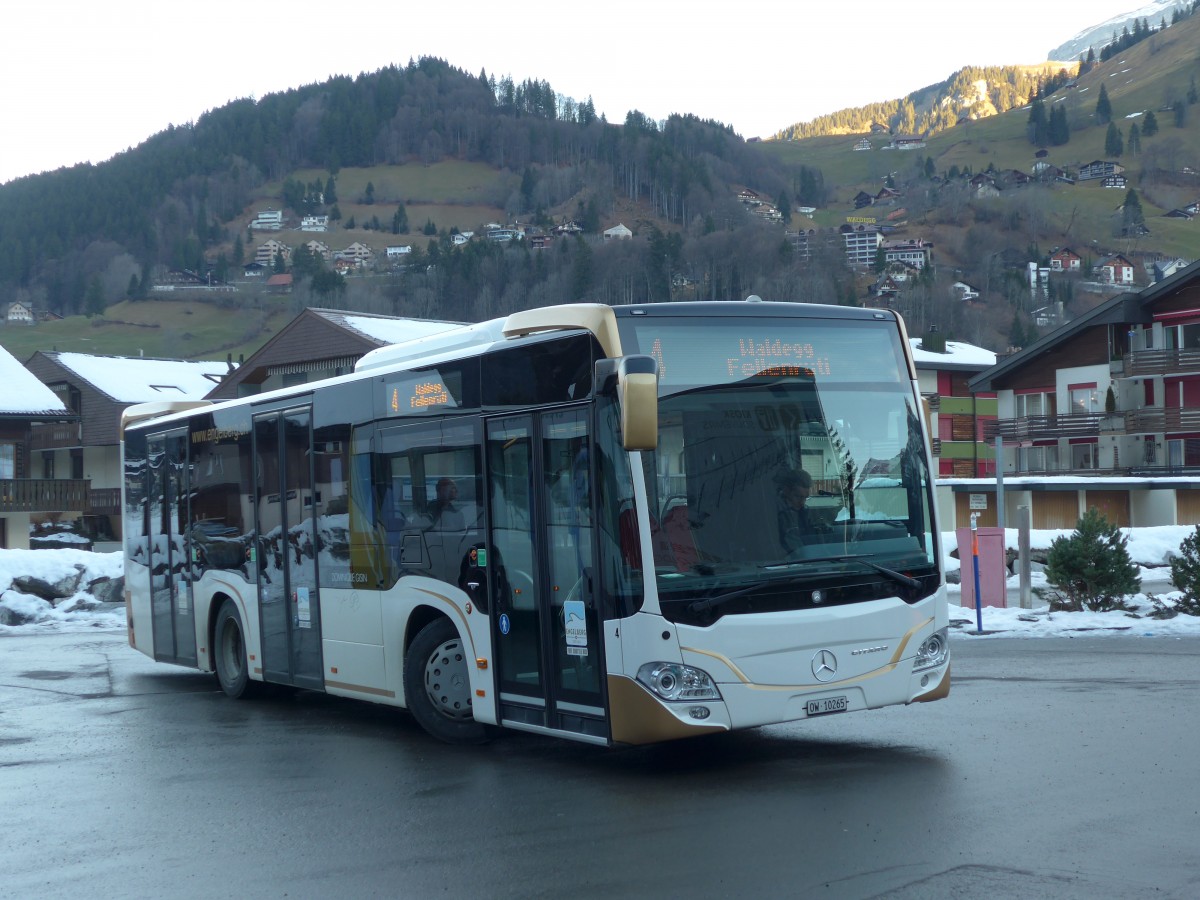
[(826, 705)]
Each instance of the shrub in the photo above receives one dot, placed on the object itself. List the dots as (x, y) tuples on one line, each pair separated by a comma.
[(1091, 569), (1185, 573)]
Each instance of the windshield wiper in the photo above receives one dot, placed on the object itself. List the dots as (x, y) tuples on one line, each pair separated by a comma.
[(898, 577), (720, 599)]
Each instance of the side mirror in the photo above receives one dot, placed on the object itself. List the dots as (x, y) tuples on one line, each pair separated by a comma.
[(637, 393)]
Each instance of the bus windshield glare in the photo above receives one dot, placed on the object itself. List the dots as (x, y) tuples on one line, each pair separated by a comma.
[(790, 461)]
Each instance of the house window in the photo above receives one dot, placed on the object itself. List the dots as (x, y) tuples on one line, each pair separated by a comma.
[(8, 460), (77, 465), (1083, 456), (1032, 405), (1085, 400), (48, 464)]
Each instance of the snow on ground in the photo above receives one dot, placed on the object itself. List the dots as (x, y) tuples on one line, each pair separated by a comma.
[(1151, 548), (79, 612)]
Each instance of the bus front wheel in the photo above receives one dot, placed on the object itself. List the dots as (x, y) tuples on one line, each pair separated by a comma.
[(229, 651), (437, 685)]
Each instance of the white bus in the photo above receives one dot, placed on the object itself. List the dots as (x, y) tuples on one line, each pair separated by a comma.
[(580, 521)]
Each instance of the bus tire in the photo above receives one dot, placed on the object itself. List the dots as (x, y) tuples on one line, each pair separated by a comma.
[(229, 652), (437, 685)]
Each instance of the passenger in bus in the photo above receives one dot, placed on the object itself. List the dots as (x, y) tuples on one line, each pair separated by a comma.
[(446, 514), (796, 525)]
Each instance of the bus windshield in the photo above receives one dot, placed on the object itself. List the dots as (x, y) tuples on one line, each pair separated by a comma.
[(790, 470)]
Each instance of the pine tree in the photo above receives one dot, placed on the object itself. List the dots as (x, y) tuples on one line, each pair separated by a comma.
[(1104, 110), (1036, 126), (1149, 124), (1131, 209), (1134, 144), (1114, 144), (1185, 574), (1091, 569)]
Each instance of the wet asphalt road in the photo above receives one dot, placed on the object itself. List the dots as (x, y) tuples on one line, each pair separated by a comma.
[(1057, 768)]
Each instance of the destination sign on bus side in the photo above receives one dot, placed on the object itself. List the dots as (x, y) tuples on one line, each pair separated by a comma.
[(425, 392)]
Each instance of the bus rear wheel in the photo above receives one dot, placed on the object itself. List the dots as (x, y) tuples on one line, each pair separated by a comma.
[(229, 651), (437, 685)]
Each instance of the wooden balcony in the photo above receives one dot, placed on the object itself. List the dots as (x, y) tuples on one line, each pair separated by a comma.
[(1157, 420), (1161, 362), (43, 495), (1035, 428), (103, 502), (55, 436)]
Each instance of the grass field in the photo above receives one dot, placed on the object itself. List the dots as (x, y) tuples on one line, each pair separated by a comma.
[(171, 329)]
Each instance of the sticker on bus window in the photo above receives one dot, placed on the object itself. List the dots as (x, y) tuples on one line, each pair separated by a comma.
[(505, 624), (576, 628), (303, 608)]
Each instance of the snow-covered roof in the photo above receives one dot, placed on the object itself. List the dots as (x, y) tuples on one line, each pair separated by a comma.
[(395, 331), (22, 392), (957, 354), (140, 380)]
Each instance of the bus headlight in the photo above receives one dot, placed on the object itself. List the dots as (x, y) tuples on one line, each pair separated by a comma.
[(673, 681), (934, 652)]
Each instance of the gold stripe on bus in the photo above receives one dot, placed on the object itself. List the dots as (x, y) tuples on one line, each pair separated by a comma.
[(459, 612), (359, 688), (741, 676)]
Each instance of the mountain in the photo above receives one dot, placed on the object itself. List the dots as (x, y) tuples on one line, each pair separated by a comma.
[(1096, 36), (970, 93)]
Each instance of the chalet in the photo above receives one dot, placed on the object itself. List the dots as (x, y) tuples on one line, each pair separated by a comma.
[(314, 223), (862, 198), (886, 287), (749, 197), (461, 237), (570, 227), (984, 185), (908, 142), (1099, 168), (399, 252), (1116, 270), (618, 233), (254, 270), (1065, 260), (358, 253), (1193, 208), (502, 235), (960, 290), (540, 241), (807, 211), (958, 417), (1054, 420), (319, 343), (768, 213), (1115, 181), (1179, 214), (267, 220), (319, 248), (862, 144), (96, 389), (887, 193), (1163, 269), (280, 283), (1014, 178), (29, 409), (267, 252), (19, 314)]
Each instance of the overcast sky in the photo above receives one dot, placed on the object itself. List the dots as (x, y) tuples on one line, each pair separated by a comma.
[(82, 81)]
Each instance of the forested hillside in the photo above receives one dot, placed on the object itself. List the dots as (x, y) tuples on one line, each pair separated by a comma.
[(76, 239), (970, 93)]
